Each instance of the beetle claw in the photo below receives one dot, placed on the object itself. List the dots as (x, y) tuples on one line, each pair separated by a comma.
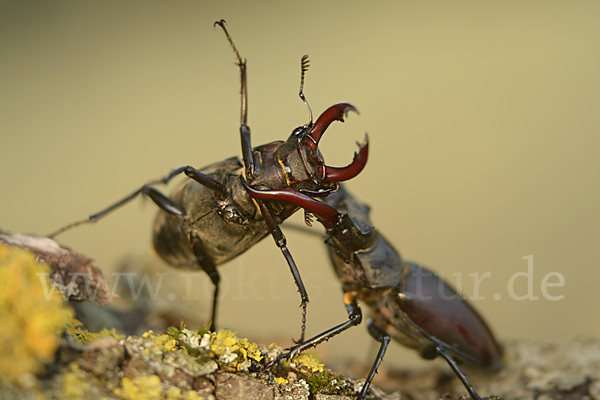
[(324, 212), (335, 174), (336, 112)]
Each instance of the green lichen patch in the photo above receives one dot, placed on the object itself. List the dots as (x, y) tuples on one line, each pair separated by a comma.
[(328, 383), (32, 315), (84, 336), (178, 365), (307, 362), (147, 367), (229, 351), (308, 367), (163, 342), (234, 354)]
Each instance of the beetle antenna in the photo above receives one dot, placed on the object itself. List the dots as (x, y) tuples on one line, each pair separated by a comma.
[(308, 218), (304, 64)]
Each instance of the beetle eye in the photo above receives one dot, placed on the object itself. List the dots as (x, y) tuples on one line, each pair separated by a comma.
[(299, 131), (232, 214)]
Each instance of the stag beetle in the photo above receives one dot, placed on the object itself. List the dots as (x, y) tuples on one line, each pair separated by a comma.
[(408, 302), (213, 217)]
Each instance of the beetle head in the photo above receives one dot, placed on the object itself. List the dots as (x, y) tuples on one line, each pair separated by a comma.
[(303, 162)]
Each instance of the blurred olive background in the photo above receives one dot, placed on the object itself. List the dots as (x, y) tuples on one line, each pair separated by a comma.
[(483, 118)]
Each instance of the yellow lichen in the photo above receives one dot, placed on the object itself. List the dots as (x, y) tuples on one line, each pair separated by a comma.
[(84, 336), (163, 342), (75, 385), (166, 342), (151, 388), (308, 362), (32, 314), (252, 350), (148, 334), (140, 388), (233, 353), (281, 381)]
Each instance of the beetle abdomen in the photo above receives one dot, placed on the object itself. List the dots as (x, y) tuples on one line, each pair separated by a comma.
[(442, 313)]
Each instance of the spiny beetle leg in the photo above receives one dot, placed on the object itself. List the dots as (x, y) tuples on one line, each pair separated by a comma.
[(382, 338), (156, 196), (281, 242), (169, 206), (244, 128), (354, 318), (441, 349), (210, 268)]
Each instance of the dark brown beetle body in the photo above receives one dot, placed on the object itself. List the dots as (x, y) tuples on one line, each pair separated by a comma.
[(404, 296)]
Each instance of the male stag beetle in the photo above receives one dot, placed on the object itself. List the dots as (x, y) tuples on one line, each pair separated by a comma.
[(408, 302), (214, 216)]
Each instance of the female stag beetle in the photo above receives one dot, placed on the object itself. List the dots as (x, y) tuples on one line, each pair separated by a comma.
[(408, 302), (212, 217)]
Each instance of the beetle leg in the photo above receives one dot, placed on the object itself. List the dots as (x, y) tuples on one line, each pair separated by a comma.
[(210, 268), (354, 318), (161, 200), (281, 242), (164, 202), (382, 338), (169, 206), (219, 188), (247, 150), (442, 349), (244, 128)]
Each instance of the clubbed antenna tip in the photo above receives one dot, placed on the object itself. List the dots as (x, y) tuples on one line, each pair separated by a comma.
[(304, 64)]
